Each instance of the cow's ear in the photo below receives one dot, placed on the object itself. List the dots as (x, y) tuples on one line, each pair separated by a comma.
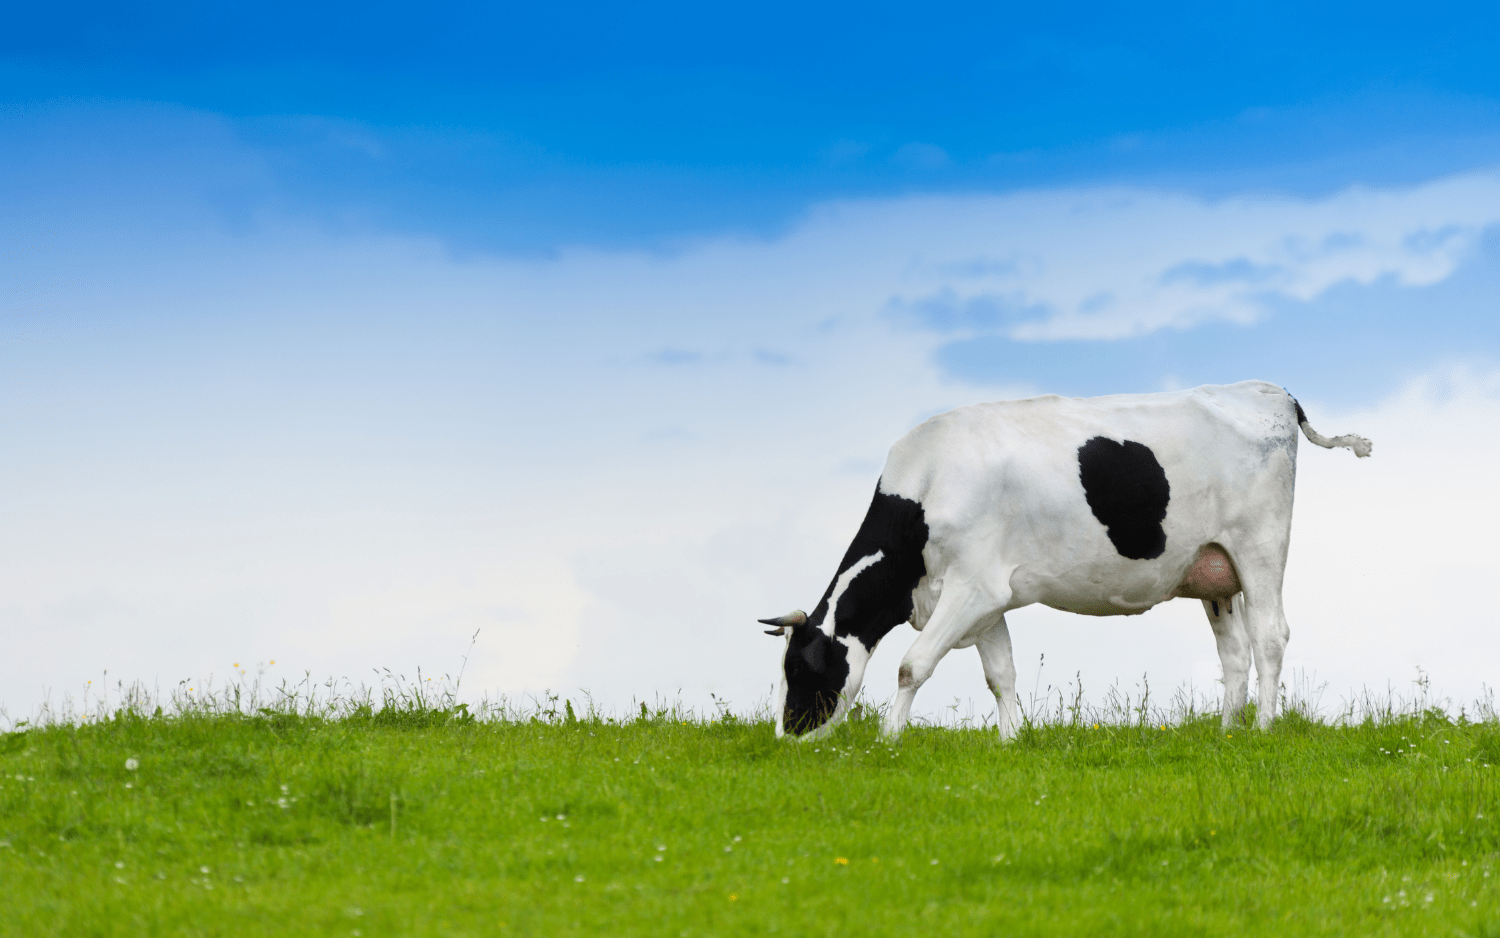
[(813, 652)]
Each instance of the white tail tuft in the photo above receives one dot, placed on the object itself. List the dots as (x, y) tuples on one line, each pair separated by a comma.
[(1359, 444)]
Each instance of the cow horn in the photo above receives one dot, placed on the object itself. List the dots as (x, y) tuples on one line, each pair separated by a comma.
[(791, 620)]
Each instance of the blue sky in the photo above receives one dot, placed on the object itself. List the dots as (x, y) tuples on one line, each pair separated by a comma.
[(520, 128), (331, 335)]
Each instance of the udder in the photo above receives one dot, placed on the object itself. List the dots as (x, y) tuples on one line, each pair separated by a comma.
[(1211, 576)]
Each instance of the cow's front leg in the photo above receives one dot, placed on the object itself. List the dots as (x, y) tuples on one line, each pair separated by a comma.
[(1234, 652), (958, 609), (995, 654)]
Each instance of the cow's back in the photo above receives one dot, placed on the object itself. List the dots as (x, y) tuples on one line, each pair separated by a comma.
[(1034, 486)]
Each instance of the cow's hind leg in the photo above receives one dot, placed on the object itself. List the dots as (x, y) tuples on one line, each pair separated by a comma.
[(993, 645), (961, 605), (1268, 632), (1261, 620), (1228, 623)]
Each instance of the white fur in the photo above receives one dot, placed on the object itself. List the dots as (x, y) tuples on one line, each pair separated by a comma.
[(1359, 444)]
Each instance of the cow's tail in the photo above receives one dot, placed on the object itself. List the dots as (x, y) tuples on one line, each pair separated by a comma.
[(1359, 444)]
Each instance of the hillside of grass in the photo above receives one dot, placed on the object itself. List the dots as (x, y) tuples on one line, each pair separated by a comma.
[(416, 820)]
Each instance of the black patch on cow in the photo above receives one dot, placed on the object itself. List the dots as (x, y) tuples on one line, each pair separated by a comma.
[(877, 600), (1301, 414), (1216, 607), (1127, 491)]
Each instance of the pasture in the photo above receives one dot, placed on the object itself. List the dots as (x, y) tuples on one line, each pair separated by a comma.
[(419, 819)]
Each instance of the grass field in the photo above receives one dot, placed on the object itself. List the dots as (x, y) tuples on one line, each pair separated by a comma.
[(414, 820)]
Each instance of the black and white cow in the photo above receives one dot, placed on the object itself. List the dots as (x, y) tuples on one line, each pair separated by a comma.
[(1102, 506)]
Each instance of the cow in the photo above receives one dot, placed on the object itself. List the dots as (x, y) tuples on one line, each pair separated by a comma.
[(1101, 506)]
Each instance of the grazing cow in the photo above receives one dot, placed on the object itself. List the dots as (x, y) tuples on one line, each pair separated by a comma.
[(1102, 506)]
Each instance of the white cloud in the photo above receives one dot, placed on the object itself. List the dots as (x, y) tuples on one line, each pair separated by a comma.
[(1106, 264), (347, 454), (1392, 557), (1065, 264)]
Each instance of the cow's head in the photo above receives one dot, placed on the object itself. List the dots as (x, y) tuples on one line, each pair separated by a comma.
[(820, 675)]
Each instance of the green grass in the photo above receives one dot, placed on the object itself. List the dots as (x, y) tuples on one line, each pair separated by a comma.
[(417, 821)]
